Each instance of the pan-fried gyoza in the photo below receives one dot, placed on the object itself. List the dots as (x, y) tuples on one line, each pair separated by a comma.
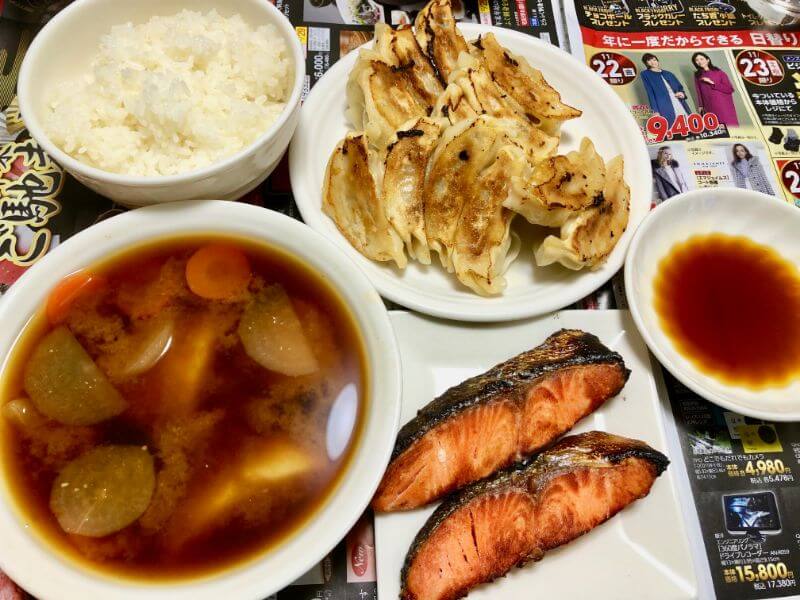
[(399, 47), (455, 138), (453, 105), (436, 32), (465, 187), (559, 187), (587, 237), (407, 157), (383, 96), (351, 199), (526, 85)]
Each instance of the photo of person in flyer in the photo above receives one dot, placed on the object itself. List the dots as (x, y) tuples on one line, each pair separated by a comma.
[(668, 179), (747, 171), (714, 90), (665, 92)]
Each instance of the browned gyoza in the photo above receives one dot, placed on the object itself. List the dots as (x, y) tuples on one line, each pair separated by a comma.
[(495, 419), (519, 514)]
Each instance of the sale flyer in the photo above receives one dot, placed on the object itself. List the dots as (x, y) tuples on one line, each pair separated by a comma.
[(716, 94), (742, 473), (715, 91)]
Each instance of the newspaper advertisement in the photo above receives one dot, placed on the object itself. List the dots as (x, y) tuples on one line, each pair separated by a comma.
[(715, 91), (743, 476), (41, 205), (329, 29), (716, 94)]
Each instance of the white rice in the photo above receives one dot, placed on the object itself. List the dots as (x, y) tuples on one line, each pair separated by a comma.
[(172, 95)]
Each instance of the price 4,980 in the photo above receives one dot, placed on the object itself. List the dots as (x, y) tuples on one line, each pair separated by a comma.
[(659, 128)]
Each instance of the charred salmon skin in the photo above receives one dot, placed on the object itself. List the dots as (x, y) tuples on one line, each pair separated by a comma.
[(498, 418), (516, 516)]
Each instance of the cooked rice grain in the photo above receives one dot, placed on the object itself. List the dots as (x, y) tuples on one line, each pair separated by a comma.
[(172, 95)]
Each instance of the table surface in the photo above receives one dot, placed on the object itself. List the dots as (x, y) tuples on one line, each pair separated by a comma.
[(349, 571)]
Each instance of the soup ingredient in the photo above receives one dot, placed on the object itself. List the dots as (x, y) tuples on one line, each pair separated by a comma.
[(185, 370), (261, 463), (589, 236), (272, 335), (68, 291), (66, 385), (104, 490), (43, 441), (174, 94), (517, 515), (732, 307), (218, 272), (21, 413), (148, 345), (178, 445), (151, 288), (504, 415)]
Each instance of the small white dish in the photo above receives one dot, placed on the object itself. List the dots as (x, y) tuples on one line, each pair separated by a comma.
[(41, 570), (62, 50), (764, 219), (643, 552), (531, 290)]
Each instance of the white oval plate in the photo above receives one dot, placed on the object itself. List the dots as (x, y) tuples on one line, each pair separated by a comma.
[(430, 289), (764, 219)]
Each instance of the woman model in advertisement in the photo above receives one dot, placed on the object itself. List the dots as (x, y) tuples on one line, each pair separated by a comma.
[(664, 92), (747, 171), (667, 177), (714, 90)]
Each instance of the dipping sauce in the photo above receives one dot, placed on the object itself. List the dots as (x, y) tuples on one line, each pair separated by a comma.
[(732, 307), (182, 407)]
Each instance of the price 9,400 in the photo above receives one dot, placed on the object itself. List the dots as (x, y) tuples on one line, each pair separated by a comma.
[(659, 128)]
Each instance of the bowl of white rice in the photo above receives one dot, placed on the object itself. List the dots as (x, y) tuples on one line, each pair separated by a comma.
[(151, 101)]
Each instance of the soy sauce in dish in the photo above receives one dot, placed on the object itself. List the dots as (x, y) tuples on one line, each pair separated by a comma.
[(182, 409), (732, 307)]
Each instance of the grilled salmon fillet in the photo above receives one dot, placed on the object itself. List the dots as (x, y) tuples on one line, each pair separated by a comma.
[(519, 514), (495, 419)]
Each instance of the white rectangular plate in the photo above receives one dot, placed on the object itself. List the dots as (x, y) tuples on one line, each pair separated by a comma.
[(642, 552)]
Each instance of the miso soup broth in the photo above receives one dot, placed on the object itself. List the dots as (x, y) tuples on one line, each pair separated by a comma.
[(182, 407)]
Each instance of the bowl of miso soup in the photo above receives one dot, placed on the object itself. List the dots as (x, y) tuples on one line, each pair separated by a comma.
[(196, 399)]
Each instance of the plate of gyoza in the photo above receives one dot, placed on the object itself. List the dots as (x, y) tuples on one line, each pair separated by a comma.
[(473, 172)]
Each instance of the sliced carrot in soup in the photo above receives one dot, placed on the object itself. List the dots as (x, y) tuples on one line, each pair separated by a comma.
[(70, 289), (218, 272)]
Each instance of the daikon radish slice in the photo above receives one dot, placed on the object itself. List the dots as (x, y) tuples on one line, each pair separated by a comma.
[(103, 491)]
